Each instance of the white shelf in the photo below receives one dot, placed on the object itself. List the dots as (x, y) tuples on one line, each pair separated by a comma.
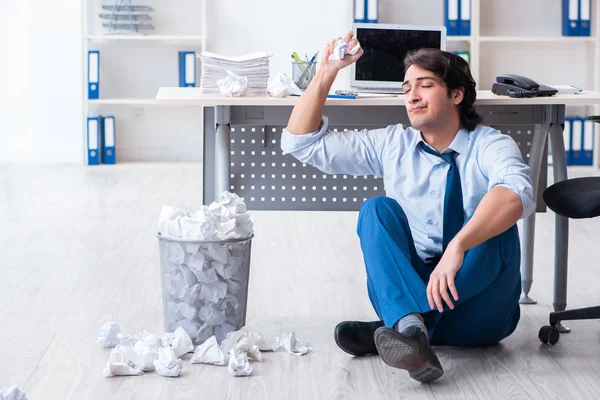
[(524, 39), (124, 102), (458, 38), (146, 38)]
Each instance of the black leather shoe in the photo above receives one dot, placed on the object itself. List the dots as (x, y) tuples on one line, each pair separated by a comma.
[(357, 337), (409, 350)]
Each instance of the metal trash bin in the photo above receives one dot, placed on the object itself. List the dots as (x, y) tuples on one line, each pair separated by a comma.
[(204, 285)]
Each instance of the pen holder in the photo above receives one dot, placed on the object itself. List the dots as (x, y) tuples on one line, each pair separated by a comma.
[(303, 72)]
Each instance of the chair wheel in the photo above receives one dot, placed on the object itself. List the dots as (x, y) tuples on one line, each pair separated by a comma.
[(549, 334)]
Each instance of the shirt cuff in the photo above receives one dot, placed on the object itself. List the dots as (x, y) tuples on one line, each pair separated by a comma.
[(526, 200), (291, 143)]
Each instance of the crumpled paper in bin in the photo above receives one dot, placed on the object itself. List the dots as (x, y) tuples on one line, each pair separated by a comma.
[(221, 220), (205, 283)]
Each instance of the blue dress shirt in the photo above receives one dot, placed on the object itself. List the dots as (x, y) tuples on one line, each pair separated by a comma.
[(416, 179)]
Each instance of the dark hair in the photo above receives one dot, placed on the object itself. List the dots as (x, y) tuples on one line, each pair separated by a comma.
[(455, 72)]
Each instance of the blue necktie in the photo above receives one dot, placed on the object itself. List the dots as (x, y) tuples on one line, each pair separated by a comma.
[(453, 201)]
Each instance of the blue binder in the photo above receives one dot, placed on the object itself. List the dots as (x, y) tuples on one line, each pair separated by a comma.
[(451, 16), (109, 140), (567, 139), (93, 74), (588, 143), (584, 17), (372, 11), (465, 18), (570, 17), (577, 141), (187, 69), (360, 7), (94, 141)]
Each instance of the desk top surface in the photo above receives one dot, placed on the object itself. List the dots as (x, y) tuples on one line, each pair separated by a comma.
[(195, 97)]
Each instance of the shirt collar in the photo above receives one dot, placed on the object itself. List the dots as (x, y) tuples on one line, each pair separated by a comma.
[(459, 144)]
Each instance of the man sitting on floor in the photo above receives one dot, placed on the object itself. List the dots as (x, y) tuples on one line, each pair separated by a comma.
[(441, 249)]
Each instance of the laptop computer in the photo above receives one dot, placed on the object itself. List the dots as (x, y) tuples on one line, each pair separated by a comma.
[(381, 67)]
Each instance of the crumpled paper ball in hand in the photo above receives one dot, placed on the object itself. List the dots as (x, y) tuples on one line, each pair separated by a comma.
[(282, 86), (233, 84), (341, 49)]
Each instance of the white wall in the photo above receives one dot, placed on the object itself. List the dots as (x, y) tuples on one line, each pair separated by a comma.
[(278, 27), (40, 81)]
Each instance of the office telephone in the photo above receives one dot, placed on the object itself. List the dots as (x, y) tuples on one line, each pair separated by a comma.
[(520, 86)]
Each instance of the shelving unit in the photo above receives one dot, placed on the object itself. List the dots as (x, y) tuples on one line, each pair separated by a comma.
[(515, 42), (125, 102), (151, 38), (132, 68), (566, 39)]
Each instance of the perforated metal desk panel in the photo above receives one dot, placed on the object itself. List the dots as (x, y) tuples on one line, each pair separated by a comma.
[(269, 180), (242, 154)]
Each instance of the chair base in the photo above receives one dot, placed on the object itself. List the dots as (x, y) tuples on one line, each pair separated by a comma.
[(550, 334)]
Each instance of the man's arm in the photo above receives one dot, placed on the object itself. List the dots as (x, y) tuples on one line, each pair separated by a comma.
[(498, 210), (308, 139), (509, 198), (306, 116)]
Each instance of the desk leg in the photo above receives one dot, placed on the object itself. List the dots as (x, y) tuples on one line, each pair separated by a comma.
[(561, 225), (222, 150), (527, 239)]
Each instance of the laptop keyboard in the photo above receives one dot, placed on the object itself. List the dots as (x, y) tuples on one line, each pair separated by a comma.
[(380, 90)]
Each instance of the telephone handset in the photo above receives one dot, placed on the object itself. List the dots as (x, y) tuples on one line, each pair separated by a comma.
[(520, 86)]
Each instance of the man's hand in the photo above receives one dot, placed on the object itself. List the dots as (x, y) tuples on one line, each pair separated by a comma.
[(441, 279), (334, 66), (306, 115)]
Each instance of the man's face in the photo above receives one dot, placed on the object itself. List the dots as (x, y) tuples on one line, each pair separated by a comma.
[(426, 99)]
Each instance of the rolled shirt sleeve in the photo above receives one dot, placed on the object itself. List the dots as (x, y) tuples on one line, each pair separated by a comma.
[(348, 152), (502, 161)]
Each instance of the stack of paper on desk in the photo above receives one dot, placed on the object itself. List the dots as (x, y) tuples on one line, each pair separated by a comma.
[(254, 66)]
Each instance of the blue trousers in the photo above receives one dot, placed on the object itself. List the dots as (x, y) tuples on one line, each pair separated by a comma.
[(488, 283)]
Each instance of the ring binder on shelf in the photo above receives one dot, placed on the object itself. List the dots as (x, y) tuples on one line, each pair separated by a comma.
[(372, 11), (570, 14), (187, 69), (93, 74), (451, 12), (465, 18), (109, 140), (588, 143), (576, 141), (94, 141), (584, 17), (359, 10)]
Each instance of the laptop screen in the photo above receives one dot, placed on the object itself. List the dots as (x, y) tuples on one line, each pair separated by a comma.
[(384, 52)]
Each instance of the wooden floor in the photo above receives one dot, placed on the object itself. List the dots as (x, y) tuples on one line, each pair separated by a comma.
[(78, 248)]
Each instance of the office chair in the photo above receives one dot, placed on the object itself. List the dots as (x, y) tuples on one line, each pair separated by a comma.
[(572, 198)]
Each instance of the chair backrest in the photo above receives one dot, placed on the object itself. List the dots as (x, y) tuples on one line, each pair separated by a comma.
[(575, 198)]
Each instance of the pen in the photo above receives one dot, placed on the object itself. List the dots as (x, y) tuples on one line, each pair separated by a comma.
[(298, 60), (339, 96), (331, 96)]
